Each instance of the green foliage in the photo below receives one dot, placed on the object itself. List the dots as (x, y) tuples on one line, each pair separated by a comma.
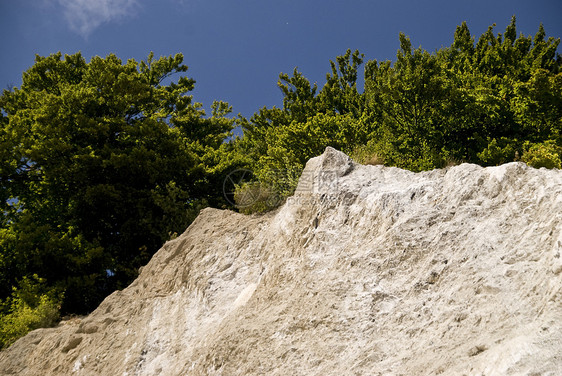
[(101, 161), (497, 153), (479, 100), (29, 307), (367, 154), (255, 197), (279, 141), (412, 100), (546, 154)]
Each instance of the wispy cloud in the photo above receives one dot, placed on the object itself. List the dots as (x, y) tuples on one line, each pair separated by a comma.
[(84, 16)]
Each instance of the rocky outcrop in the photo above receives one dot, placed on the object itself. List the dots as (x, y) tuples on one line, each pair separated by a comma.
[(366, 270)]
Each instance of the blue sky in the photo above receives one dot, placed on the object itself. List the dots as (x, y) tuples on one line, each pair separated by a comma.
[(235, 50)]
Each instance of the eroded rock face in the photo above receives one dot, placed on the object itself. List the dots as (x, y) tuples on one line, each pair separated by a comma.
[(367, 270)]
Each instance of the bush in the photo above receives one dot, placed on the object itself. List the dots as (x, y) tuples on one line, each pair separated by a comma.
[(498, 152), (280, 183), (367, 155), (256, 197), (546, 154), (28, 309)]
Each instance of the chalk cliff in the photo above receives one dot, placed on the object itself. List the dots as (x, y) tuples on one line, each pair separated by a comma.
[(366, 270)]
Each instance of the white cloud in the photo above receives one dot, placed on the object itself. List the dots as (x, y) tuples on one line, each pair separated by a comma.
[(84, 16)]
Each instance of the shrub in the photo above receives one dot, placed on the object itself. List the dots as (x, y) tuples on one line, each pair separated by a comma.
[(256, 197), (498, 152), (546, 154), (367, 155), (28, 309)]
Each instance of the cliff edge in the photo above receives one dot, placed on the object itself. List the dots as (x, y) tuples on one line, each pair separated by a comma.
[(366, 270)]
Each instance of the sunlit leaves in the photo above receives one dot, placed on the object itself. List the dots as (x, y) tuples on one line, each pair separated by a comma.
[(484, 100), (105, 159)]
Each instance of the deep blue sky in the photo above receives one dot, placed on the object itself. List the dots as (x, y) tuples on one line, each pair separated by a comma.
[(235, 50)]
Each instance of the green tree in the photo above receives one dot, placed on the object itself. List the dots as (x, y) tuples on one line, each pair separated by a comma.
[(101, 162), (486, 100), (411, 97), (279, 141), (340, 93), (29, 307), (476, 102)]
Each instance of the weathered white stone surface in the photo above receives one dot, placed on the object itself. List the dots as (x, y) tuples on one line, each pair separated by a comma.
[(367, 270)]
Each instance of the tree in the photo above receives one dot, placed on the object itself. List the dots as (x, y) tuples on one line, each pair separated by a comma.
[(410, 97), (486, 100), (476, 102), (340, 92), (101, 162), (279, 141)]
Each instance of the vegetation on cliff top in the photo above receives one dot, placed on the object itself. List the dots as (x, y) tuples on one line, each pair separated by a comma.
[(102, 161)]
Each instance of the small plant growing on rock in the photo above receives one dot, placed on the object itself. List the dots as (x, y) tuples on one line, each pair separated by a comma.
[(546, 154), (256, 197), (367, 155), (27, 309)]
